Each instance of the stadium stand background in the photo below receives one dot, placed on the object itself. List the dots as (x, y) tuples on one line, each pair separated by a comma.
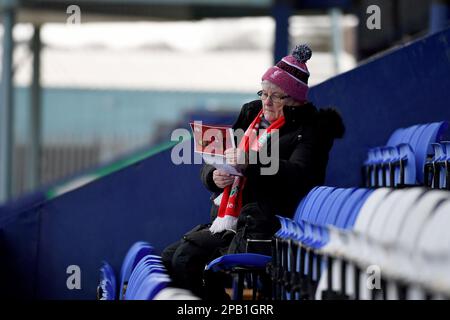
[(98, 214)]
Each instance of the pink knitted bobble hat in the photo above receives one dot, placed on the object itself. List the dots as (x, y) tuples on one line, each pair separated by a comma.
[(291, 73)]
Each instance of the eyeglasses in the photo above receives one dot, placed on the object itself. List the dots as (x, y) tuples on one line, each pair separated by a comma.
[(275, 98)]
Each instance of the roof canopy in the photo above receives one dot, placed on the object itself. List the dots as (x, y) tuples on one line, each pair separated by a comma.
[(40, 11)]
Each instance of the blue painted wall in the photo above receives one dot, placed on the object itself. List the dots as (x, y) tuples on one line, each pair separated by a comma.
[(409, 85), (153, 200)]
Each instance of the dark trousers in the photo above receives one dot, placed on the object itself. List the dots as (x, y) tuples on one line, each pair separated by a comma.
[(186, 259)]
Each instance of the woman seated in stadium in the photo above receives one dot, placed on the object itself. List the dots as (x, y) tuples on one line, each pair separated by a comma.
[(246, 206)]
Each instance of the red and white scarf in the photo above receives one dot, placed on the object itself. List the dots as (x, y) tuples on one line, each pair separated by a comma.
[(231, 198)]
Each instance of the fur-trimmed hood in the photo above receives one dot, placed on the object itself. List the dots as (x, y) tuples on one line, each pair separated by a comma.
[(331, 122)]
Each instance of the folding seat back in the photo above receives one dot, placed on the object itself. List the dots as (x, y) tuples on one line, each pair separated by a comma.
[(409, 133), (383, 213), (345, 219), (148, 267), (368, 208), (398, 214), (315, 234), (132, 295), (432, 254), (427, 239), (362, 251), (326, 208), (434, 238), (396, 137), (443, 243), (107, 287), (347, 209), (143, 264), (416, 218), (414, 140), (337, 205), (150, 285), (140, 275), (313, 213), (350, 223), (307, 203), (366, 252), (137, 251), (303, 201)]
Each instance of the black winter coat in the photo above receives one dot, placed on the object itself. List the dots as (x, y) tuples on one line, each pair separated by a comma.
[(304, 143)]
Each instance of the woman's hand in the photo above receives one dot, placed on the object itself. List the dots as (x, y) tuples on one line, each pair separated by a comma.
[(222, 179)]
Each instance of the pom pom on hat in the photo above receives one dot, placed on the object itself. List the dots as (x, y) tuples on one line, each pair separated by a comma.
[(302, 53)]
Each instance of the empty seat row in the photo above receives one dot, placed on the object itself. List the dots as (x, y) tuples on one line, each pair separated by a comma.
[(295, 267), (401, 161), (339, 236), (143, 277), (401, 233), (297, 264)]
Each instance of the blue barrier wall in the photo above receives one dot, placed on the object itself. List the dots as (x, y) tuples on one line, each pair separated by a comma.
[(409, 85), (152, 200), (157, 201)]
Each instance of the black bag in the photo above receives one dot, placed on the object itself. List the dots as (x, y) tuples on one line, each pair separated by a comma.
[(212, 244), (255, 228)]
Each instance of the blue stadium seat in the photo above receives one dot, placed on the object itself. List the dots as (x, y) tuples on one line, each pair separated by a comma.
[(132, 258), (433, 252), (329, 283), (431, 134), (107, 287), (446, 145), (385, 165), (439, 157), (311, 213), (436, 170), (150, 264), (396, 221), (388, 157), (409, 133), (239, 260), (151, 285), (354, 202), (288, 230), (370, 164), (409, 165), (396, 138)]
